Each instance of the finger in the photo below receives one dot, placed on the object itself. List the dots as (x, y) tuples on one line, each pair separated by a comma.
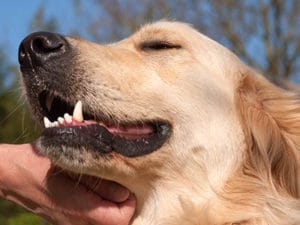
[(76, 201), (108, 190), (69, 194), (120, 215)]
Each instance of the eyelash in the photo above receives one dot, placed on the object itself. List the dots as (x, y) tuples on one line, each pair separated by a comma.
[(158, 45)]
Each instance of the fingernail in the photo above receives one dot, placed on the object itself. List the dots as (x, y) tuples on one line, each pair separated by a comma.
[(117, 193)]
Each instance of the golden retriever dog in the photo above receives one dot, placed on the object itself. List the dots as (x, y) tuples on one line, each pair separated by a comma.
[(198, 137)]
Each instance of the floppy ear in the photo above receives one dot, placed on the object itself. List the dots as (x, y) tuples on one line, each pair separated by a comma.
[(271, 121)]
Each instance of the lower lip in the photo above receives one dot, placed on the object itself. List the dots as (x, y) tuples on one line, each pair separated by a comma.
[(99, 139)]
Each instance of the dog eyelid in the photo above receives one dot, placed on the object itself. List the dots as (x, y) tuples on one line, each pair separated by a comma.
[(158, 45)]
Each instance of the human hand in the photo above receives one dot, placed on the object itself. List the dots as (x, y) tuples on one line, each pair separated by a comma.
[(28, 180)]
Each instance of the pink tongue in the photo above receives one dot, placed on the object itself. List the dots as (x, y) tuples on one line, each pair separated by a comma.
[(133, 130), (130, 131)]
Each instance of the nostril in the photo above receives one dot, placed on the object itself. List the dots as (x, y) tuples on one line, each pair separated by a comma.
[(38, 48), (46, 44)]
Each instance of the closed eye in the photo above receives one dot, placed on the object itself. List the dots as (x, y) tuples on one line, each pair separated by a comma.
[(158, 45)]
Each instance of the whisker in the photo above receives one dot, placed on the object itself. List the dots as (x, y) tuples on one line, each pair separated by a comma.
[(11, 113), (79, 178), (97, 183), (21, 136)]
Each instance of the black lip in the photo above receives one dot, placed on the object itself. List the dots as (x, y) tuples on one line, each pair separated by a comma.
[(100, 140)]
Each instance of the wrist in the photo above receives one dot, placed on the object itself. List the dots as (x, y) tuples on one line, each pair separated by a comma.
[(18, 163), (5, 167), (21, 175)]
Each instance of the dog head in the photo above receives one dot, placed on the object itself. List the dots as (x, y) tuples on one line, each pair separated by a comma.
[(168, 113)]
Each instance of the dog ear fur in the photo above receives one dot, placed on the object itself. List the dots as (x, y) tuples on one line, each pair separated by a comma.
[(271, 121)]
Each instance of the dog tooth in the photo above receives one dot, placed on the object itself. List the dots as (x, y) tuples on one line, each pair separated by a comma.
[(47, 122), (60, 120), (49, 100), (68, 118), (77, 113), (53, 124)]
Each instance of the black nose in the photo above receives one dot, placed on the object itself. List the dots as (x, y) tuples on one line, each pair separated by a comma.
[(38, 48)]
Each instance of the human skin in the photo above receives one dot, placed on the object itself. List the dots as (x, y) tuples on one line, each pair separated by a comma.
[(29, 180)]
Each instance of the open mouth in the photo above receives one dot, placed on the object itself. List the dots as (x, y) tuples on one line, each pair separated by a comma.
[(68, 125)]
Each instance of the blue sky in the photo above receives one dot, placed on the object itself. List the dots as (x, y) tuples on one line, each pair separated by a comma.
[(16, 15), (15, 18)]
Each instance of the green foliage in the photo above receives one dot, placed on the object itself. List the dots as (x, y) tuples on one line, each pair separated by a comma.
[(11, 214), (17, 125), (24, 219), (8, 210)]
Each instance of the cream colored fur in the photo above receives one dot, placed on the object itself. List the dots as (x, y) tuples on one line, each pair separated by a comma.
[(233, 157)]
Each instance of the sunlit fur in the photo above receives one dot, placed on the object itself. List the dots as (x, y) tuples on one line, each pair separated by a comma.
[(233, 157)]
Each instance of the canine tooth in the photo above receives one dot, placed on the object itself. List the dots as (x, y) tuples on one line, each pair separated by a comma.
[(49, 101), (68, 118), (60, 120), (77, 113), (55, 124), (47, 122)]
